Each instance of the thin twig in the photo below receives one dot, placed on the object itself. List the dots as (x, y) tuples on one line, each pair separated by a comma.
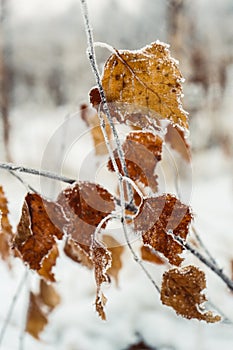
[(12, 306), (92, 59), (31, 171), (27, 186), (218, 271), (18, 168), (94, 66)]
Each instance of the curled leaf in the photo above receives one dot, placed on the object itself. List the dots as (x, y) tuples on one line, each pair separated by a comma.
[(182, 289), (5, 227), (37, 233), (102, 260), (142, 152), (157, 216), (149, 78)]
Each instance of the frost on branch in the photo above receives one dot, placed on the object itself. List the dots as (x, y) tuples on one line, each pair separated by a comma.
[(147, 78), (158, 215), (37, 233), (142, 152), (5, 227), (182, 290)]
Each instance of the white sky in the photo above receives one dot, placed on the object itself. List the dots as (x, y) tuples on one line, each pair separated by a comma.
[(26, 9)]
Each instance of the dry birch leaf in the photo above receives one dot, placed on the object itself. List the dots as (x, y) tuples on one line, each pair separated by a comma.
[(85, 205), (36, 235), (175, 136), (77, 254), (157, 216), (49, 295), (182, 289), (148, 78), (142, 152), (36, 318), (5, 227)]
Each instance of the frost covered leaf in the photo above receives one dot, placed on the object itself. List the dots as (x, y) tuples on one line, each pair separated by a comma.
[(77, 254), (175, 136), (36, 318), (48, 295), (85, 205), (149, 254), (182, 289), (157, 216), (5, 227), (116, 251), (36, 234), (142, 152), (90, 117), (102, 261), (148, 78)]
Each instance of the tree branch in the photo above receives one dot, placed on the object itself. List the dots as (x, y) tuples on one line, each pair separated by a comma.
[(211, 265)]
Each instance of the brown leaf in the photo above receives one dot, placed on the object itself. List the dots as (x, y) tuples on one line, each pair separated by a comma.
[(5, 228), (36, 318), (148, 78), (85, 205), (142, 152), (37, 233), (116, 251), (40, 306), (175, 136), (47, 264), (149, 254), (182, 290), (157, 216), (90, 117), (49, 295), (77, 254), (102, 261)]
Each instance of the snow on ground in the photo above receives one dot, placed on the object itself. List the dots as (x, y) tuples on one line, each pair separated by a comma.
[(134, 307)]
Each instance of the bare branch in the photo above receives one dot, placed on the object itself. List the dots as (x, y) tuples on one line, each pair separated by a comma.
[(212, 266), (31, 171)]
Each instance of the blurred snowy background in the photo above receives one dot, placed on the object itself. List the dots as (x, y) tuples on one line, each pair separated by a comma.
[(45, 76)]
